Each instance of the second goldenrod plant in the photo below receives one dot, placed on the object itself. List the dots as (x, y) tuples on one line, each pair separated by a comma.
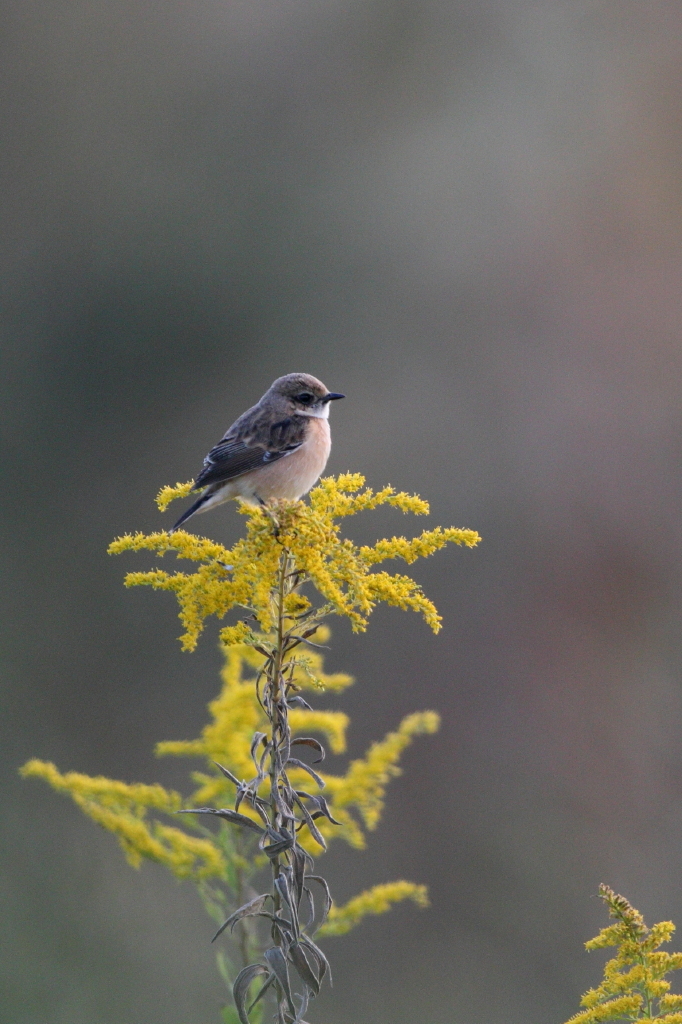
[(273, 807), (635, 986)]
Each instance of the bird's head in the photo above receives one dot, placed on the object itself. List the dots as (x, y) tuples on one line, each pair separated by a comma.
[(303, 395)]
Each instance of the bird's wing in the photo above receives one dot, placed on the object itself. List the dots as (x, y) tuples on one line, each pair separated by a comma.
[(234, 456)]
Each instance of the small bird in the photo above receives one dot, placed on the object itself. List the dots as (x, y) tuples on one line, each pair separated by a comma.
[(276, 449)]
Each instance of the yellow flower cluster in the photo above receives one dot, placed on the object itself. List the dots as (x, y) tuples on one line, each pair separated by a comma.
[(168, 494), (634, 984), (376, 900), (363, 787), (242, 576), (122, 809), (286, 547), (235, 716)]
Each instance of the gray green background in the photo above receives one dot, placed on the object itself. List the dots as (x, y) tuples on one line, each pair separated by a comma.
[(466, 216)]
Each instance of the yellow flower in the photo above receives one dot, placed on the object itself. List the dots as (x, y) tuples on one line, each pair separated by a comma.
[(231, 636), (635, 977), (332, 725), (364, 785), (236, 715), (168, 494), (342, 572), (376, 900), (275, 649), (122, 809), (611, 1009)]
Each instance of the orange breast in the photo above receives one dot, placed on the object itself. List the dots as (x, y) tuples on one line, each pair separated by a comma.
[(294, 475)]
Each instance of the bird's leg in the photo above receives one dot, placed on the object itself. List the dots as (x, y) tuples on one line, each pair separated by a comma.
[(270, 514)]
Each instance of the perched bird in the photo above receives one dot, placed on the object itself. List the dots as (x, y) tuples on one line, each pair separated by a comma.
[(276, 449)]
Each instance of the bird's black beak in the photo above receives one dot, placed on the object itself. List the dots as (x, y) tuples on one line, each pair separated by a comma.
[(332, 396)]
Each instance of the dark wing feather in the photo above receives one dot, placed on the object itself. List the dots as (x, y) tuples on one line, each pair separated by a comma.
[(234, 456), (230, 459)]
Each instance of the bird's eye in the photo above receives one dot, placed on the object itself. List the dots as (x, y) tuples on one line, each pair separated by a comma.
[(305, 398)]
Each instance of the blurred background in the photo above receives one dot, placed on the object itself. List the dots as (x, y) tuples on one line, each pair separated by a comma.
[(466, 216)]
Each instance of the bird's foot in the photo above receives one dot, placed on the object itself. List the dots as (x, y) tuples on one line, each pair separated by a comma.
[(271, 516)]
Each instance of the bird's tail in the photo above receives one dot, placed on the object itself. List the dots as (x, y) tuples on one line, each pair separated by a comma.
[(196, 507)]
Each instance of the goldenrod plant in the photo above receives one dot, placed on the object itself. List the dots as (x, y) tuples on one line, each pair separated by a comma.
[(634, 986), (273, 809)]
